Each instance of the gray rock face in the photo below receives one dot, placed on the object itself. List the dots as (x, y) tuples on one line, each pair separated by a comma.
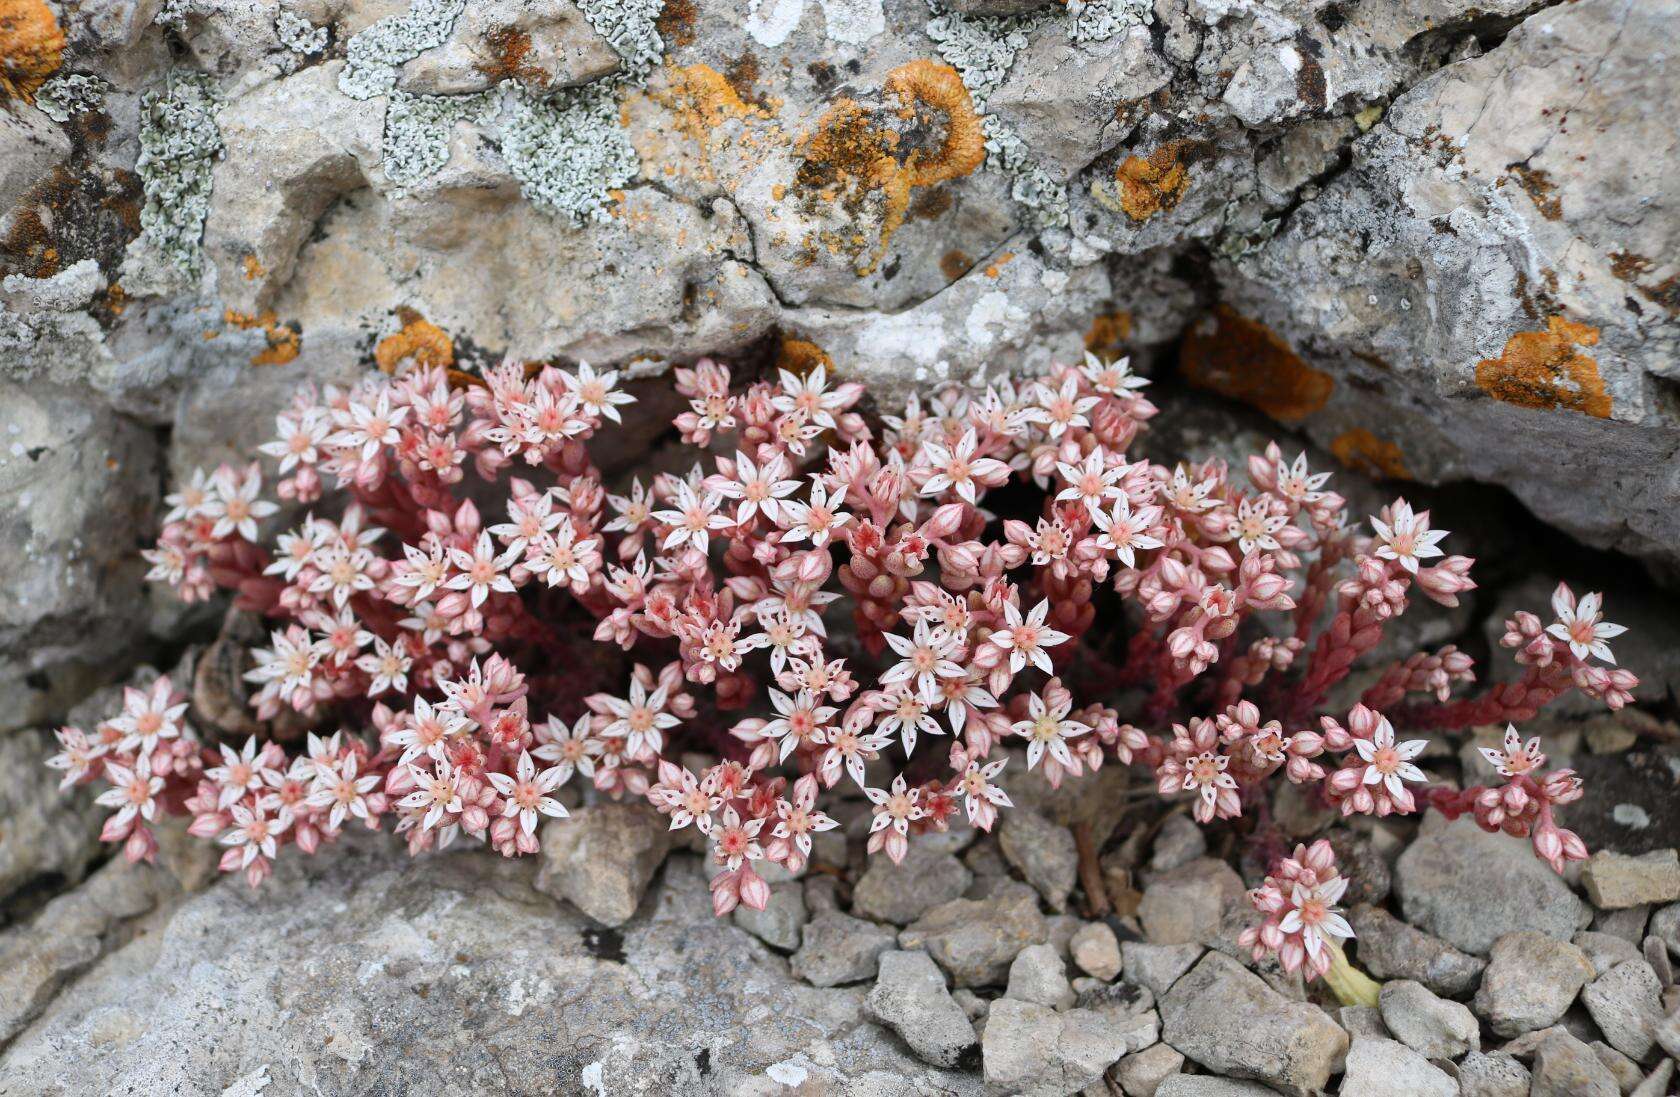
[(1383, 1066), (975, 940), (1530, 980), (836, 949), (911, 999), (373, 981), (1032, 1050), (1227, 1019), (602, 857), (1435, 1027), (1391, 949), (1043, 852), (1471, 888), (1202, 1085), (1379, 286), (47, 833), (903, 892), (78, 484), (1157, 967)]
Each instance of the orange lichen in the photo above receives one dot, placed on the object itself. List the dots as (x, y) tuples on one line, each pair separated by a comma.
[(862, 161), (1108, 334), (997, 265), (1247, 361), (713, 98), (954, 264), (676, 23), (252, 269), (801, 356), (1540, 189), (1153, 184), (1364, 452), (31, 47), (1544, 369), (510, 51), (283, 342), (420, 343)]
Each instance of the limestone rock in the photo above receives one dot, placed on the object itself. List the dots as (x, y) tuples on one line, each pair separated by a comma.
[(1384, 1066), (1390, 949), (1187, 904), (1626, 1004), (1037, 975), (783, 917), (1032, 1050), (1228, 1020), (901, 893), (1471, 888), (836, 949), (1434, 1027), (975, 940), (1042, 851), (911, 999), (1615, 882), (601, 858), (1097, 951), (48, 832), (1492, 1075), (1530, 980), (1142, 1073), (1565, 1067)]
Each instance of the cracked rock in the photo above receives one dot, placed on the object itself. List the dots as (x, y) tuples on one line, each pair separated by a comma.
[(975, 940), (1032, 1050), (1384, 1066), (1530, 981), (910, 998)]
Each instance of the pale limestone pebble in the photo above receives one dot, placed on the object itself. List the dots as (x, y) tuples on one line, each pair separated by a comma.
[(1628, 923), (1471, 888), (1390, 949), (1179, 841), (780, 923), (1157, 967), (1187, 905), (836, 949), (1032, 1050), (1605, 950), (1129, 1009), (1624, 1070), (1626, 1004), (1042, 852), (602, 857), (49, 833), (1566, 1067), (1362, 1021), (1492, 1075), (1376, 1065), (1207, 1085), (1231, 1022), (1096, 951), (1142, 1073), (1615, 881), (1037, 975), (1435, 1027), (902, 892), (1655, 1084), (975, 940), (910, 997), (1530, 981)]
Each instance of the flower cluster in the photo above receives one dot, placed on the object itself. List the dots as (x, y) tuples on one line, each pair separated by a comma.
[(1301, 922), (889, 603)]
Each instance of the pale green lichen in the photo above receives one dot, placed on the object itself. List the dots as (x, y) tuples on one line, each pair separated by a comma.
[(179, 143), (417, 128), (373, 57), (1099, 20), (298, 34), (629, 26), (982, 49), (569, 151), (70, 94)]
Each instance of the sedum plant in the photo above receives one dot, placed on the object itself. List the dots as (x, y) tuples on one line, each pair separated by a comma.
[(823, 598)]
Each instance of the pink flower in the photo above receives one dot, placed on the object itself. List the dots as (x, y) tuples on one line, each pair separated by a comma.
[(1047, 729), (1405, 537), (527, 793), (1582, 626), (981, 798), (895, 810), (133, 792)]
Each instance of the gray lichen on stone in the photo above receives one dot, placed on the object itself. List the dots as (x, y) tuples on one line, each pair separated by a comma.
[(982, 49), (298, 34), (69, 94), (373, 57), (416, 139), (179, 143), (569, 150), (1098, 20), (629, 27)]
